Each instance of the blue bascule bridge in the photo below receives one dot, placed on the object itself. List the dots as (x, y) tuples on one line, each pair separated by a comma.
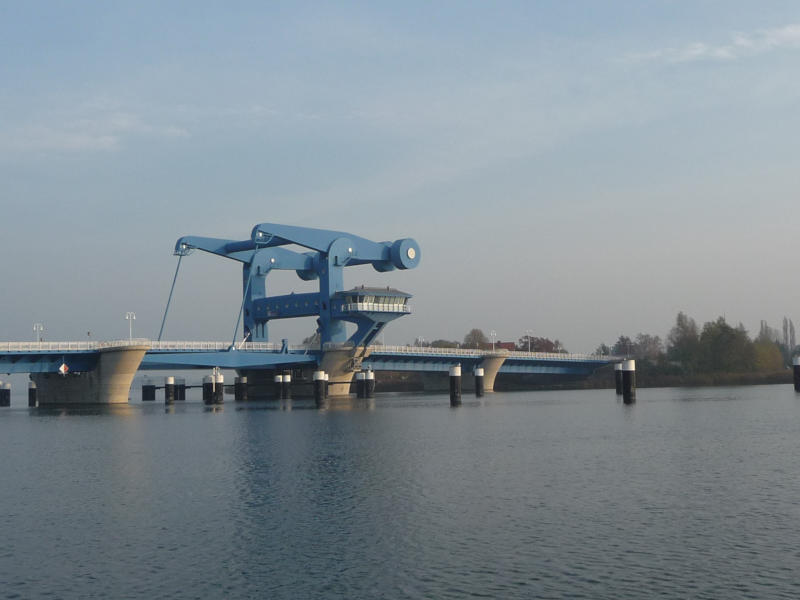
[(320, 255), (102, 372)]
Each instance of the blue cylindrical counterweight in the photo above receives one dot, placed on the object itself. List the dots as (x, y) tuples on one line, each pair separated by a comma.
[(405, 253)]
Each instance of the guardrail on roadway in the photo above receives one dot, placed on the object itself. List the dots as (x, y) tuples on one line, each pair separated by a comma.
[(208, 346), (83, 346)]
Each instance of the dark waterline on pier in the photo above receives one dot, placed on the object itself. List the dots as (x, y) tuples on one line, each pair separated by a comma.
[(688, 493)]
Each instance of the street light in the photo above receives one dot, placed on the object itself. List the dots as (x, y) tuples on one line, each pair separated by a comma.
[(38, 328), (130, 317), (493, 334), (529, 333)]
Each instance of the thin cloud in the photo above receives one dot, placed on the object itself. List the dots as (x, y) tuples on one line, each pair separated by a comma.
[(741, 45), (104, 131)]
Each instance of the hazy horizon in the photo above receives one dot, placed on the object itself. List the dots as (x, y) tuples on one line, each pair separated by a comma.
[(581, 170)]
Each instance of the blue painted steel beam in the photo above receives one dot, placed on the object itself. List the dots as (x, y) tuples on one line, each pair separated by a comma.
[(223, 359), (287, 306), (327, 253)]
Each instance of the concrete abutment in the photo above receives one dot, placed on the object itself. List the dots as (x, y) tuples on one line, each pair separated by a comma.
[(109, 383)]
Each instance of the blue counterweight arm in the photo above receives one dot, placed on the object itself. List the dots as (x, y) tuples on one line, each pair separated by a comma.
[(401, 254), (233, 249)]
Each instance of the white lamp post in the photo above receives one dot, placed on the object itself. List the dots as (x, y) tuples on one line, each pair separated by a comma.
[(130, 317), (529, 333), (38, 328), (493, 334)]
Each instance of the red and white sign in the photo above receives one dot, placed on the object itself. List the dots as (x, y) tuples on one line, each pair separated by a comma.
[(63, 369)]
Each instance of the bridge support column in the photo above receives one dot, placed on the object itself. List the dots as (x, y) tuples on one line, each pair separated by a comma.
[(491, 364), (369, 384), (319, 386), (108, 383), (340, 365), (32, 394), (629, 381), (479, 387)]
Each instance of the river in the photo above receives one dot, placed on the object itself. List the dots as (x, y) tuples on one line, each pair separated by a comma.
[(689, 493)]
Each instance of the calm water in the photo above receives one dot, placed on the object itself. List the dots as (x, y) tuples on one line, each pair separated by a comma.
[(687, 494)]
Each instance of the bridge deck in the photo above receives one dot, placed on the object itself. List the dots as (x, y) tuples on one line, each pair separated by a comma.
[(31, 357)]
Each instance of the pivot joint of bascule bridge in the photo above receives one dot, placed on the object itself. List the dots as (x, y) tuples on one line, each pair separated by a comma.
[(320, 255)]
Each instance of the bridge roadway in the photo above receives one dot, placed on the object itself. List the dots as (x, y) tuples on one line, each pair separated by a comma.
[(81, 356)]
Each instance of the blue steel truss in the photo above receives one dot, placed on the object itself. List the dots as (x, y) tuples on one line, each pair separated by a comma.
[(324, 256)]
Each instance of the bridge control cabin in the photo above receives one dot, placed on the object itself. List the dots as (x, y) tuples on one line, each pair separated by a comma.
[(370, 308), (370, 299)]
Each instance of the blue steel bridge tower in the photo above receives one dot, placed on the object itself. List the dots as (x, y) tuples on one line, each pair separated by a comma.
[(314, 254)]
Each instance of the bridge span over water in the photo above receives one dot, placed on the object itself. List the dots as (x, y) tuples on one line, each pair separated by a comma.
[(109, 367), (349, 321)]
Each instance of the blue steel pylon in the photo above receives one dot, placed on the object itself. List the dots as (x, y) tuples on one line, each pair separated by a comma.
[(328, 254)]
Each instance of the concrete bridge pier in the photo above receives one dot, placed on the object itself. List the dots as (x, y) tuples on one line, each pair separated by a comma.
[(341, 365), (491, 364), (108, 383)]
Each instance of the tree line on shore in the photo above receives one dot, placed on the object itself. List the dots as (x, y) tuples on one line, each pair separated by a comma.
[(688, 350), (717, 347), (477, 339)]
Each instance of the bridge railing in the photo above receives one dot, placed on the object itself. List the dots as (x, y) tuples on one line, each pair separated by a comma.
[(564, 356), (375, 307), (209, 346), (423, 350), (221, 346), (67, 346), (426, 350)]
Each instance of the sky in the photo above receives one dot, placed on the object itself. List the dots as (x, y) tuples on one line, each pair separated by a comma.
[(578, 169)]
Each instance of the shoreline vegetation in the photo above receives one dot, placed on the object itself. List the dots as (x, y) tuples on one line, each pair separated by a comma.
[(407, 381), (717, 354)]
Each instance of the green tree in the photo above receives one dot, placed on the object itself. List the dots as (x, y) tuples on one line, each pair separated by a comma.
[(725, 349), (475, 339), (603, 350), (624, 346), (683, 343), (768, 356), (648, 347), (539, 344)]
